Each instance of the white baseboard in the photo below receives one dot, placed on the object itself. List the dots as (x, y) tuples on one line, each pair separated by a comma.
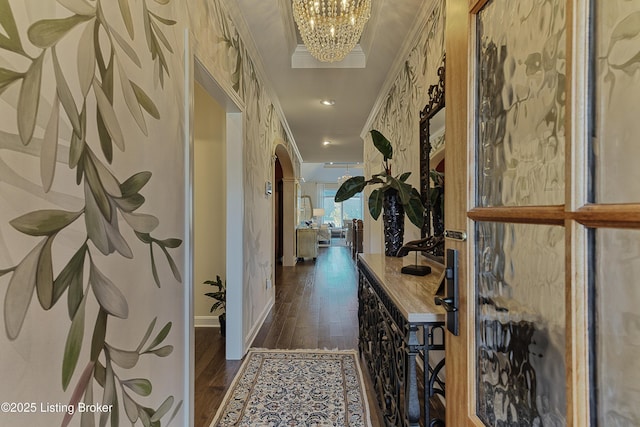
[(256, 327), (213, 322), (206, 322)]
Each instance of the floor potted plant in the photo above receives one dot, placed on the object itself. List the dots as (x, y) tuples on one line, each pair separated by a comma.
[(221, 301), (394, 198)]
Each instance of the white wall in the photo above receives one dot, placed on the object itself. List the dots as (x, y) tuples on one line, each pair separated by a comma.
[(209, 201)]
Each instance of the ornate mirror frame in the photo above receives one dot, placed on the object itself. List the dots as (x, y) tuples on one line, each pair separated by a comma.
[(435, 105)]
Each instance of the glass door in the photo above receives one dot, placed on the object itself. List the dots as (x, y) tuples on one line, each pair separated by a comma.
[(550, 318)]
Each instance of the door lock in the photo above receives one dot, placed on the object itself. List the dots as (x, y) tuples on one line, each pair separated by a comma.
[(451, 301)]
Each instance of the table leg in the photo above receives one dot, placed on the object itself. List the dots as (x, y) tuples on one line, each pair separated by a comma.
[(413, 401)]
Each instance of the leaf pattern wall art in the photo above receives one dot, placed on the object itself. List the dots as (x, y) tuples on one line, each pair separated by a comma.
[(116, 255), (79, 213), (228, 59), (399, 116)]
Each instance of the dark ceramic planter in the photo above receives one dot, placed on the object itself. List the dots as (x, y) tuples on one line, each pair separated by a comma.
[(393, 221), (223, 326)]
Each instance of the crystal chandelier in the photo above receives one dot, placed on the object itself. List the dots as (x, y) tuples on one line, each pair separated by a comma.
[(345, 177), (330, 29)]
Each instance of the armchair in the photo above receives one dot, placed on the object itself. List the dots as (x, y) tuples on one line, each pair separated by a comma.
[(324, 235)]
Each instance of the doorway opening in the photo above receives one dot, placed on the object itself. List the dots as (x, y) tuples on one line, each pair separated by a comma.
[(222, 249), (285, 207), (278, 202)]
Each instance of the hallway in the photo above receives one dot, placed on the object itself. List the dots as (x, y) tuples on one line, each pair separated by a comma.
[(316, 307)]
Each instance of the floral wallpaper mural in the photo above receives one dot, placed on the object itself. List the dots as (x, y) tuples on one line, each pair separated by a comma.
[(399, 116), (89, 256)]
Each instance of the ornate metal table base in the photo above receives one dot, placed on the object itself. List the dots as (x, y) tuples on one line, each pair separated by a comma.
[(392, 348)]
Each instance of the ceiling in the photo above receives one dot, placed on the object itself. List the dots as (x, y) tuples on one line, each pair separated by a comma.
[(356, 91)]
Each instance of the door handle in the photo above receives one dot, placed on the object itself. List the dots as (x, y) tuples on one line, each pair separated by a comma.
[(451, 300), (447, 303)]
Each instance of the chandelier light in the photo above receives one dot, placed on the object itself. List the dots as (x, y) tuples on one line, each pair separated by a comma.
[(345, 177), (330, 29)]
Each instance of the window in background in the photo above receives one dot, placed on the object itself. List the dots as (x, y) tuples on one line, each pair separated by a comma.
[(338, 213)]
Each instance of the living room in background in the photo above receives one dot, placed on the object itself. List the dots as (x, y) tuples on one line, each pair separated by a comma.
[(339, 213)]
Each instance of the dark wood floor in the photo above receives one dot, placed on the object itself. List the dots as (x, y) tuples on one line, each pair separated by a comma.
[(316, 307)]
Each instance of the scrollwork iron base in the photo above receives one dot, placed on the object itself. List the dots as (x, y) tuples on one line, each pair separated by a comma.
[(392, 348)]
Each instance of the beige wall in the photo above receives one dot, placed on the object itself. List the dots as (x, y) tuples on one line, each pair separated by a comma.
[(209, 201)]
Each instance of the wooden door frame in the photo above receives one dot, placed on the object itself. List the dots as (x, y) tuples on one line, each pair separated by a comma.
[(457, 26)]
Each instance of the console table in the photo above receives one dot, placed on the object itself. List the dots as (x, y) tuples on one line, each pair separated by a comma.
[(399, 324), (307, 243)]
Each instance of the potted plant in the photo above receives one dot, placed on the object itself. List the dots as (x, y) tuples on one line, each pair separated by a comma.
[(436, 200), (394, 198), (221, 301)]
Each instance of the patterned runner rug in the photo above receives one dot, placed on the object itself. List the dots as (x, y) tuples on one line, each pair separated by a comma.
[(311, 388)]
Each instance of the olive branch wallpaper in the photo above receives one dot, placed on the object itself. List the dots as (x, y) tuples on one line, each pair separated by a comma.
[(92, 188), (399, 116), (85, 86), (218, 43)]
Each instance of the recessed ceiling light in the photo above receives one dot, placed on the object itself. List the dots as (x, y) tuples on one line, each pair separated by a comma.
[(326, 142), (328, 102)]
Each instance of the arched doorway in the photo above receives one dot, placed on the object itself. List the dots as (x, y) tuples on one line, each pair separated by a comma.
[(279, 205), (284, 202)]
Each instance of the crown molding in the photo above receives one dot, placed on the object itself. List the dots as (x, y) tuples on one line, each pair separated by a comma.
[(417, 28), (302, 58), (243, 29)]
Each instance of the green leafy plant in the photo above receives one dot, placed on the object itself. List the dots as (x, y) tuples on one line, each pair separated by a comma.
[(220, 296), (221, 300), (409, 196), (436, 192)]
